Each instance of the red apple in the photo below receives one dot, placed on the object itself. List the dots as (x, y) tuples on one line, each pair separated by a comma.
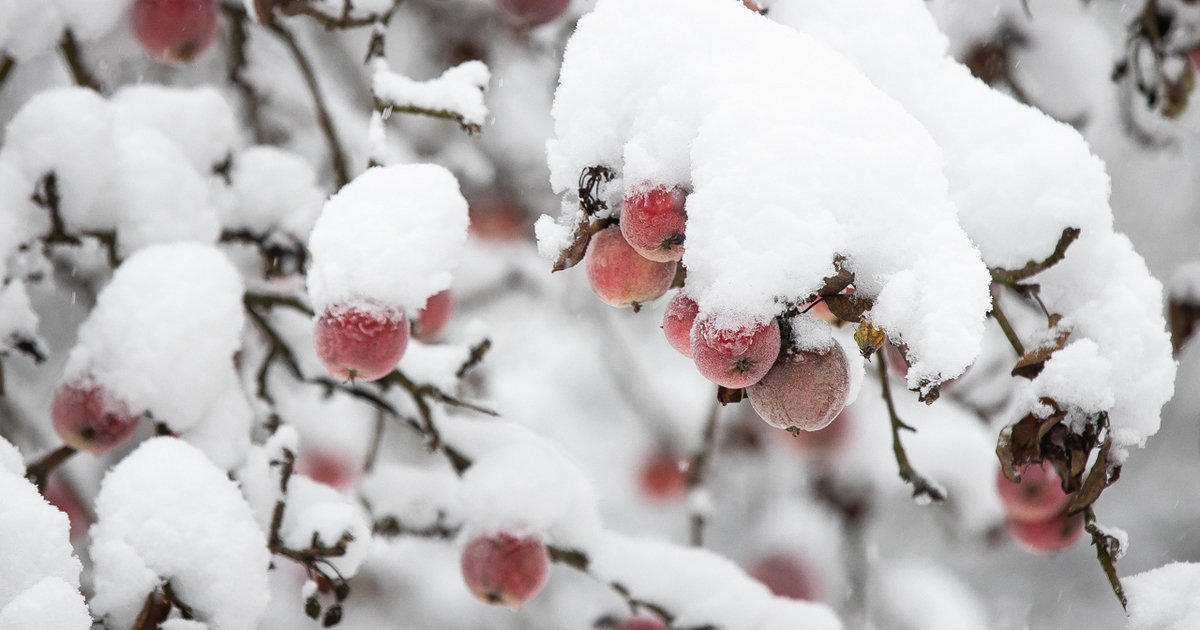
[(641, 622), (735, 357), (534, 12), (622, 277), (432, 319), (678, 322), (1056, 533), (327, 468), (360, 341), (805, 389), (1037, 497), (663, 477), (175, 31), (786, 576), (504, 569), (495, 218), (89, 418), (653, 221)]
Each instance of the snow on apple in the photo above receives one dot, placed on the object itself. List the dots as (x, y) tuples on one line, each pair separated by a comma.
[(165, 514)]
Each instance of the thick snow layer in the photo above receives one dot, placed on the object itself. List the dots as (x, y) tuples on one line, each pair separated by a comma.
[(1018, 178), (51, 604), (1166, 598), (793, 159), (163, 332), (36, 541), (166, 513), (458, 91), (415, 497), (392, 236), (41, 25), (317, 513), (273, 188), (198, 119), (224, 432)]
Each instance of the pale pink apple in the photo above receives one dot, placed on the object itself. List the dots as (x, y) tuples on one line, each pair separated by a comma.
[(1037, 497), (653, 221), (678, 322), (90, 418), (504, 569), (432, 319), (362, 342), (175, 31), (663, 477), (622, 277), (497, 219), (805, 389), (786, 576), (328, 468)]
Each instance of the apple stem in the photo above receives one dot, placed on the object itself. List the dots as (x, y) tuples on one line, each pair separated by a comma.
[(922, 487)]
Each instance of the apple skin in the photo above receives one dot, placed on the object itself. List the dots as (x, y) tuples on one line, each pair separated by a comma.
[(356, 342), (653, 221), (89, 418), (622, 277), (175, 31), (786, 576), (432, 319), (1054, 534), (505, 570), (534, 12), (735, 357), (663, 477), (678, 321), (1037, 497), (805, 389)]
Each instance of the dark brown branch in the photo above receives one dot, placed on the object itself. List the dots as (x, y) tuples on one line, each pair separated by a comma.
[(376, 440), (1106, 551), (341, 22), (1006, 326), (236, 65), (1031, 268), (38, 473), (386, 107), (922, 487), (477, 353), (7, 63), (83, 77), (337, 155), (268, 300)]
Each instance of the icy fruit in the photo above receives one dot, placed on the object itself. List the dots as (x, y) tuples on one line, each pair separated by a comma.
[(622, 277), (175, 31), (432, 319), (653, 221), (504, 569), (641, 622), (735, 357), (1056, 533), (360, 342), (678, 321), (785, 576), (534, 12), (663, 477), (1037, 497), (805, 389), (89, 418)]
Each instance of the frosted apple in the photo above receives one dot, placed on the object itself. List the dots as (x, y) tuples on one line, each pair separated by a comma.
[(663, 477), (804, 389), (175, 31), (622, 277), (785, 576), (1056, 533), (1037, 497), (432, 319), (678, 322), (362, 341), (534, 12), (89, 418), (735, 357), (653, 221), (504, 569)]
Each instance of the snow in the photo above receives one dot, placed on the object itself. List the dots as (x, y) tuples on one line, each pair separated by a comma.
[(459, 90), (392, 236), (166, 513), (825, 165), (41, 24), (1018, 179), (51, 604), (919, 594), (1166, 598), (317, 513), (415, 497), (163, 332), (198, 119), (273, 188), (434, 364)]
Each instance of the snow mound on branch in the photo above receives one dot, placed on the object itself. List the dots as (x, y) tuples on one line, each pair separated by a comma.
[(1166, 598), (417, 498), (793, 159), (392, 236), (198, 119), (165, 513), (1019, 178), (458, 91), (319, 514), (41, 572), (29, 28), (273, 188), (163, 332)]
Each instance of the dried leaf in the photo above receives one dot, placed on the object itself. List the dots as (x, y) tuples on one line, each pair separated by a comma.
[(869, 339), (154, 611), (726, 395), (1032, 363), (1183, 317), (837, 283), (1096, 482), (573, 254), (1005, 455), (848, 308)]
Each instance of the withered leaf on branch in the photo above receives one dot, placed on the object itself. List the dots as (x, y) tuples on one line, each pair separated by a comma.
[(154, 611), (1030, 365), (726, 395), (574, 253), (1183, 318), (849, 308), (838, 282), (1031, 268), (1095, 483), (1021, 443), (869, 339)]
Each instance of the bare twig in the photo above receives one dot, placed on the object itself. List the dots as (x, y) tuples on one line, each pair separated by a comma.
[(386, 107), (923, 488), (477, 353), (83, 77), (7, 63), (331, 22), (1006, 326), (376, 440), (236, 66), (698, 469), (1031, 268), (1105, 553), (38, 473)]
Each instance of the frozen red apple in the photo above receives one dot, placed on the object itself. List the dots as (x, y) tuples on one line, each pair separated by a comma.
[(534, 12), (1056, 533), (735, 355), (1037, 497), (361, 341), (175, 31), (90, 418), (678, 321), (804, 389), (622, 277), (663, 477), (653, 221), (432, 319), (785, 576), (504, 569)]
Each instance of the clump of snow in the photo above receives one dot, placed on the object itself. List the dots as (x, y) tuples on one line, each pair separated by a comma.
[(1077, 377), (51, 604), (793, 159), (434, 364), (165, 513), (163, 332), (198, 119), (318, 515), (1166, 598), (224, 432), (391, 236), (458, 91), (273, 188), (416, 497)]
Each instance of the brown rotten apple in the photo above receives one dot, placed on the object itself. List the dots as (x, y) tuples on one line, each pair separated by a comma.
[(805, 389)]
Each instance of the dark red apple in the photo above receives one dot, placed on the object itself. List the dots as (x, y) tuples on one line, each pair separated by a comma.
[(735, 356), (360, 341), (653, 221)]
